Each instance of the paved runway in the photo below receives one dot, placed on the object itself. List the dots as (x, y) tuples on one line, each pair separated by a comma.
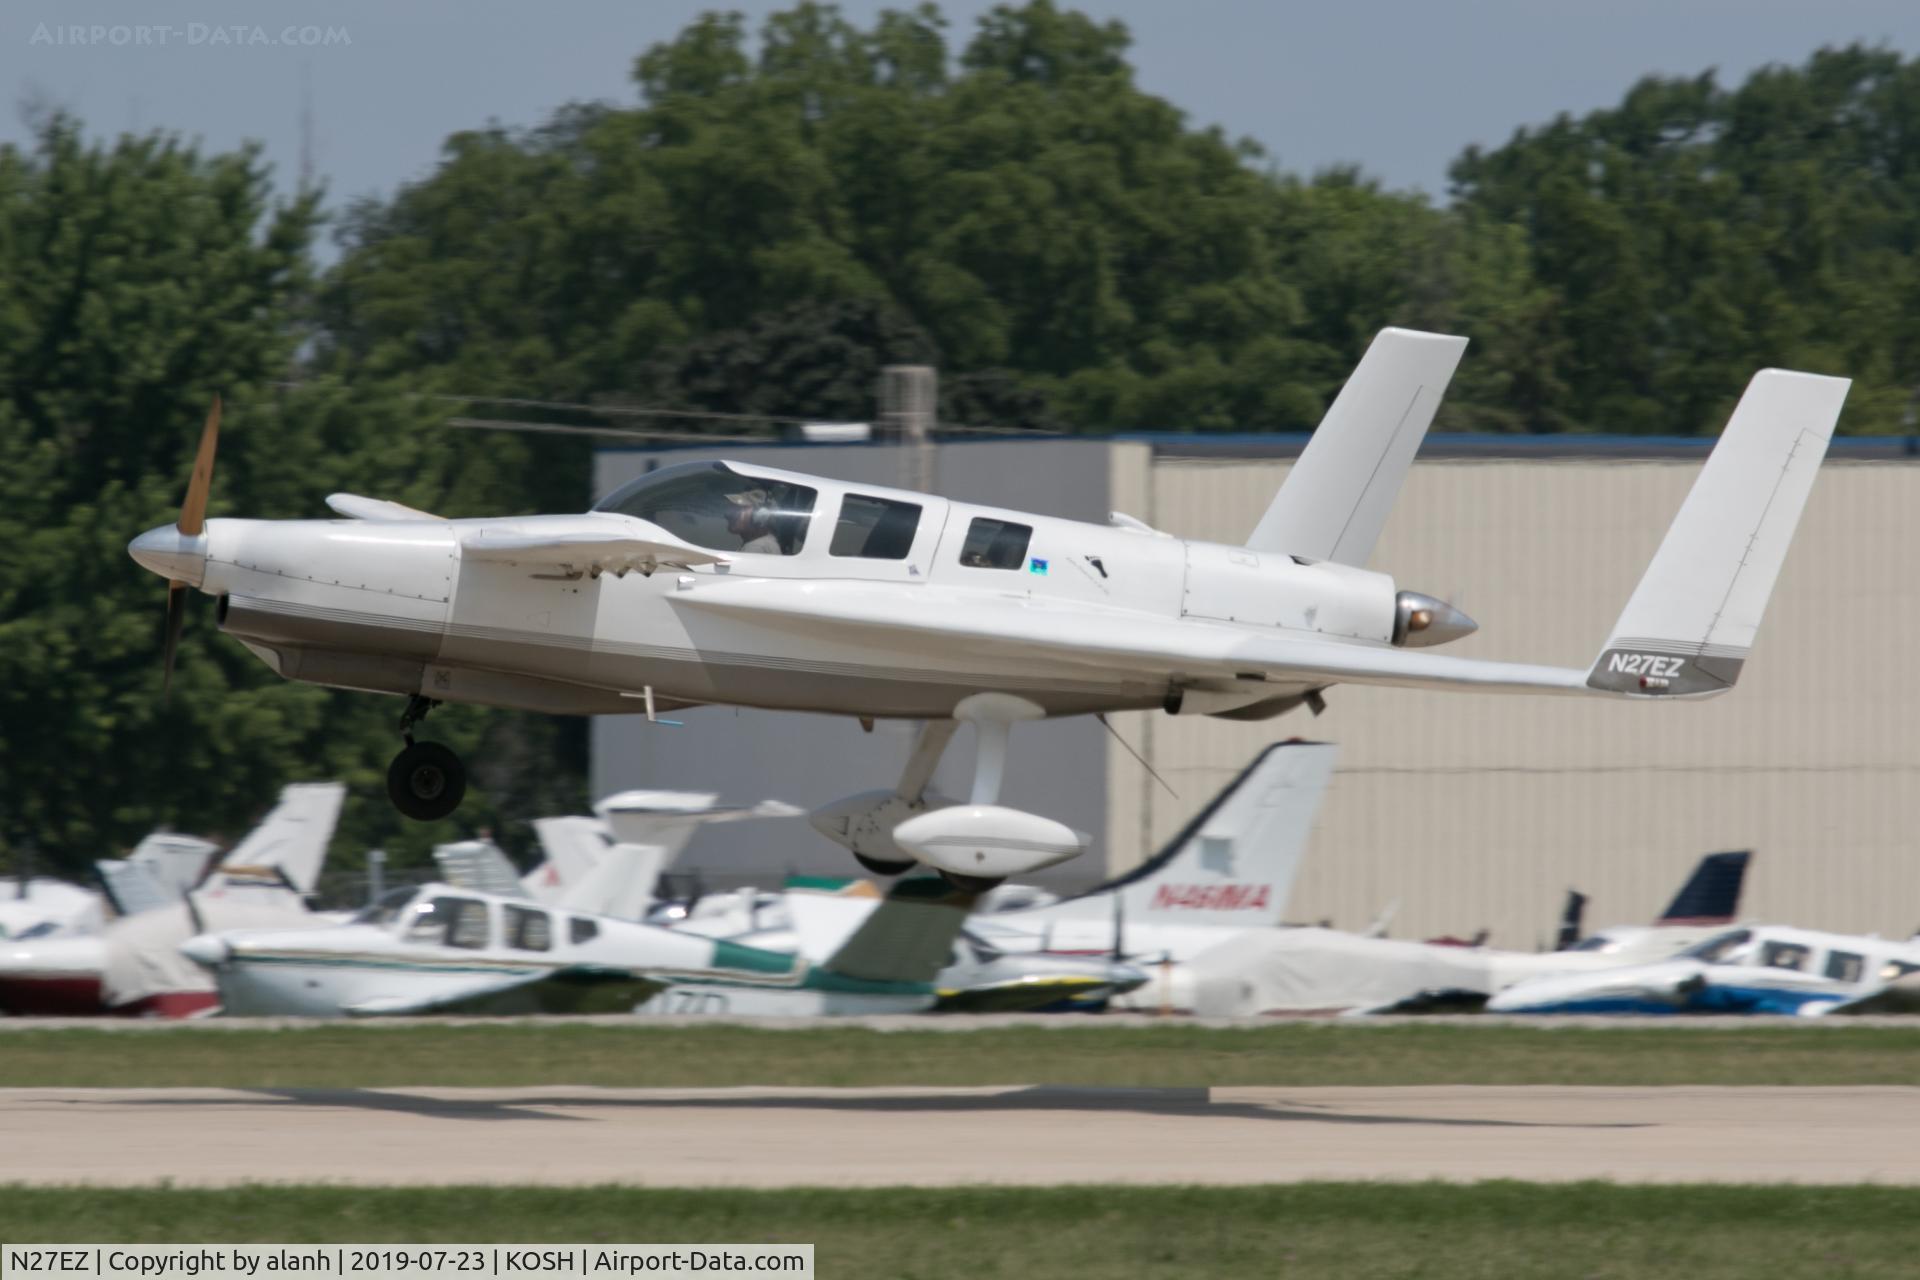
[(889, 1137)]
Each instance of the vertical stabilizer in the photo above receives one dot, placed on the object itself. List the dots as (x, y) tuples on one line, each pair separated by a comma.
[(293, 838), (573, 847), (1233, 865), (1692, 619), (1335, 501), (1711, 894)]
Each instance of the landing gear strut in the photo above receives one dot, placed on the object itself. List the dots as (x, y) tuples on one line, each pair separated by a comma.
[(426, 781)]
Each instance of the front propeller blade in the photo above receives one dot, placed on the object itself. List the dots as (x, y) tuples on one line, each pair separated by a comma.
[(193, 512), (192, 523), (176, 616)]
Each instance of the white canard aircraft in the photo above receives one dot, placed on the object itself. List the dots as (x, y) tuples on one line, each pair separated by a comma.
[(717, 582)]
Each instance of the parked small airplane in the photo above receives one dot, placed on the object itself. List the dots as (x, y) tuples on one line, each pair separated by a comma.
[(718, 582), (1705, 904), (1755, 969), (160, 870), (42, 907), (1318, 970), (131, 966), (439, 949)]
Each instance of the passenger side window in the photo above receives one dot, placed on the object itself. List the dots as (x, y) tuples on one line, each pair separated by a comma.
[(579, 931), (995, 544), (1783, 955), (875, 528), (1844, 966), (450, 922), (529, 930)]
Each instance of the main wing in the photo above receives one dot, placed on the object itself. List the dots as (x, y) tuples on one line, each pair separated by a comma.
[(1113, 640), (569, 989)]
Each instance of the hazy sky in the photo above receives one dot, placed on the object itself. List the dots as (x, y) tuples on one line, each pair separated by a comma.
[(1396, 86)]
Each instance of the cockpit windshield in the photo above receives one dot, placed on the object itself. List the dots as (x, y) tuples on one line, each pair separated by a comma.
[(711, 505), (1717, 948), (387, 909)]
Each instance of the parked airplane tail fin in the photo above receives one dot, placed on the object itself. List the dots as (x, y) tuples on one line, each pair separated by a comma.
[(1335, 500), (1711, 894), (1235, 863), (479, 865), (1692, 619), (908, 937), (573, 847), (1571, 920), (293, 838)]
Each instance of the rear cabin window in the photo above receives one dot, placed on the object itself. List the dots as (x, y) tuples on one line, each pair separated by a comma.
[(995, 544), (875, 528), (579, 931), (529, 930), (1844, 966)]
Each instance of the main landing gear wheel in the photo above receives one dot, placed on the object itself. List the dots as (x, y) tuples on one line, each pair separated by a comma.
[(973, 884), (426, 781), (882, 868)]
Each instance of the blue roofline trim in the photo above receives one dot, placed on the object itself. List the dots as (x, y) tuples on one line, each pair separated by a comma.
[(1288, 444)]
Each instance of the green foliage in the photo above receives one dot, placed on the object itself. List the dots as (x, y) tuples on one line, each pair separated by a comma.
[(1695, 233), (142, 279)]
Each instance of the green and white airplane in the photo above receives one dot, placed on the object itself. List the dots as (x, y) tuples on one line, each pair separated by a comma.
[(444, 949)]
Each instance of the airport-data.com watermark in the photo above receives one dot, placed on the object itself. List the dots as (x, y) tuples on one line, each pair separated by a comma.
[(189, 35)]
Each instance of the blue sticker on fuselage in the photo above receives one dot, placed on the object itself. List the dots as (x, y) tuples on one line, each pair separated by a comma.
[(1036, 565)]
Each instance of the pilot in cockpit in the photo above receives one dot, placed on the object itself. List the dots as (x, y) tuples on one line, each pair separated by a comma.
[(751, 521)]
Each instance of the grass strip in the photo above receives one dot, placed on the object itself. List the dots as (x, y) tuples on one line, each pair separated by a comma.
[(371, 1056), (1357, 1231)]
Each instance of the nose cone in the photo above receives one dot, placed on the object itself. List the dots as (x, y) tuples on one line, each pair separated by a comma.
[(172, 554), (205, 950), (1127, 977), (1420, 620)]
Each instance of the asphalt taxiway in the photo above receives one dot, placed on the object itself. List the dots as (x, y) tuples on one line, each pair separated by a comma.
[(920, 1136)]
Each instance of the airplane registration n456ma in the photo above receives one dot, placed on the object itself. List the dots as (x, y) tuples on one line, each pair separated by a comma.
[(718, 582)]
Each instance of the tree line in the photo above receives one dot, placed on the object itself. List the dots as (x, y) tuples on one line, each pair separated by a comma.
[(774, 216)]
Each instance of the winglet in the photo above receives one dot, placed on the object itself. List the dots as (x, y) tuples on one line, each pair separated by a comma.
[(1335, 501), (1692, 619)]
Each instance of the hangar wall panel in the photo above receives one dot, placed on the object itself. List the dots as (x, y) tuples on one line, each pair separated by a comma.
[(1479, 811)]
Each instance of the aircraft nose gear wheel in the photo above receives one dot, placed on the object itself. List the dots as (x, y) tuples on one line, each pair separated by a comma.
[(426, 781)]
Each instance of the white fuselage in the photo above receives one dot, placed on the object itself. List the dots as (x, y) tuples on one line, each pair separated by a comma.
[(395, 606), (1751, 969)]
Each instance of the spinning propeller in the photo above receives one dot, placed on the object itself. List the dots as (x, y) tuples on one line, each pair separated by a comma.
[(192, 523)]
